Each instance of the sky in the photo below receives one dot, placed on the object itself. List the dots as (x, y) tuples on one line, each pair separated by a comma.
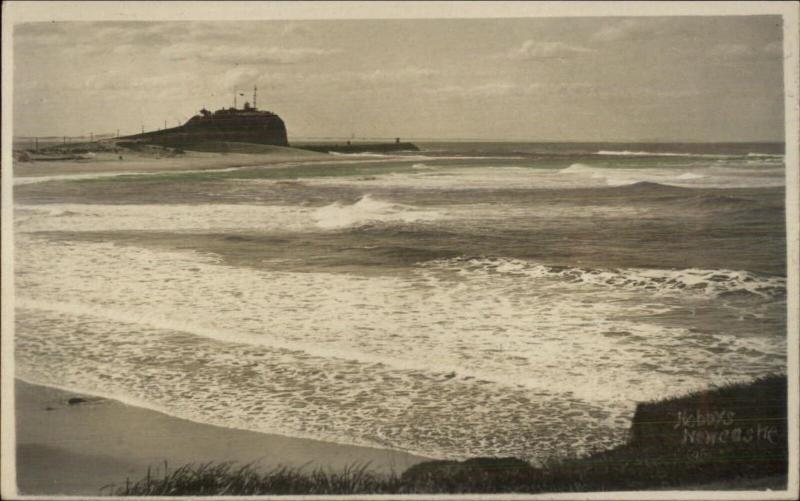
[(530, 79)]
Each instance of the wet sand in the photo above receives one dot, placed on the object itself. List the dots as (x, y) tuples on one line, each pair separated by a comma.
[(78, 449)]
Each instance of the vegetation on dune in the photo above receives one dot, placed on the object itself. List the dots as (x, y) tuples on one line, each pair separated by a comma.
[(228, 478), (736, 435)]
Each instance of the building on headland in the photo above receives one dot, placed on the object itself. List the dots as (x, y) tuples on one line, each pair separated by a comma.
[(242, 125)]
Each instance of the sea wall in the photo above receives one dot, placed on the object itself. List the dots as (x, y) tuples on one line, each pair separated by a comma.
[(359, 147)]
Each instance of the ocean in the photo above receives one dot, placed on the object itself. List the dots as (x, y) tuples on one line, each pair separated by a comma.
[(469, 299)]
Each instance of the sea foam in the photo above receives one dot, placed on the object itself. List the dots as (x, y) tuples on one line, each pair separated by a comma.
[(709, 283), (368, 210), (471, 348)]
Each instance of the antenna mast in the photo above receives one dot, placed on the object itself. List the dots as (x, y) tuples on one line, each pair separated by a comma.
[(255, 93), (234, 99)]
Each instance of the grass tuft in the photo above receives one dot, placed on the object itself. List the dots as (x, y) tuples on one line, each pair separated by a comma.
[(228, 478)]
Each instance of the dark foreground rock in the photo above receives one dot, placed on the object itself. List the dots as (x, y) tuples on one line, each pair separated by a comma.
[(466, 476)]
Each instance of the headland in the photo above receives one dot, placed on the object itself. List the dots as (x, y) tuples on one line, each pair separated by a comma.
[(247, 130)]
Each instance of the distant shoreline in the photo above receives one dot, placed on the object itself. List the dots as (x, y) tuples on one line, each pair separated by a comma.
[(78, 449), (134, 163)]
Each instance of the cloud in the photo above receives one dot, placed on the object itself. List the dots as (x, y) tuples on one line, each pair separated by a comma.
[(572, 89), (295, 29), (125, 49), (118, 80), (773, 49), (491, 89), (626, 29), (27, 38), (558, 90), (486, 90), (240, 54), (93, 50), (67, 33), (206, 35), (40, 33), (531, 50), (506, 89), (743, 52), (389, 75), (81, 50), (731, 51), (246, 76), (238, 77)]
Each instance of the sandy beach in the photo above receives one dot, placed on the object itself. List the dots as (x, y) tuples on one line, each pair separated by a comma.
[(106, 162), (78, 449)]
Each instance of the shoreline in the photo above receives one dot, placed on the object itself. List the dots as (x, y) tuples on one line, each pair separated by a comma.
[(77, 449), (133, 163)]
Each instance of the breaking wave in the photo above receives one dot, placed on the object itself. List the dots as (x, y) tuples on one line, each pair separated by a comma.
[(369, 210), (579, 168), (217, 217), (711, 283), (658, 154), (360, 154), (768, 155), (689, 176)]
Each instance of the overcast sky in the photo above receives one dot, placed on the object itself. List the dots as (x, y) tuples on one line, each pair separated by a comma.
[(557, 79)]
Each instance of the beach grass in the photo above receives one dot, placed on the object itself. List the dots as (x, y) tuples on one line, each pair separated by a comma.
[(734, 436), (229, 478)]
